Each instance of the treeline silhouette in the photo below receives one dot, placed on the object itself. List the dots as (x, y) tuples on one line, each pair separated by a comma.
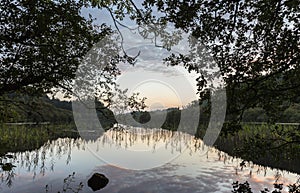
[(251, 115), (15, 108)]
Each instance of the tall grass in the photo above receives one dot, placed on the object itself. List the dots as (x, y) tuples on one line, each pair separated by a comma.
[(269, 145), (15, 138)]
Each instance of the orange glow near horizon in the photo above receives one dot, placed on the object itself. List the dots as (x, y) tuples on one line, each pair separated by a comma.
[(159, 95)]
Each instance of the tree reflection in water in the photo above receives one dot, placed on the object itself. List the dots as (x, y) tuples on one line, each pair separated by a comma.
[(35, 161), (176, 141), (67, 186), (7, 177)]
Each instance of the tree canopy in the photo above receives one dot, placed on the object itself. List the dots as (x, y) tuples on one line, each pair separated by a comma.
[(42, 43), (254, 43)]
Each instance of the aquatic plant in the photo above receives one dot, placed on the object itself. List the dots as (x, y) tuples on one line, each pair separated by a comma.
[(68, 185)]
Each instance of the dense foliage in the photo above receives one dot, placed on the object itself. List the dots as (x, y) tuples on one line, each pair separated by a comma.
[(42, 43), (278, 188), (255, 45)]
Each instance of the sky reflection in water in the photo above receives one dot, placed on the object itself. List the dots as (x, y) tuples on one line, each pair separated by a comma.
[(162, 161)]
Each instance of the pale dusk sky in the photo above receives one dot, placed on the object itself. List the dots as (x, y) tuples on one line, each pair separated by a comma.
[(163, 86)]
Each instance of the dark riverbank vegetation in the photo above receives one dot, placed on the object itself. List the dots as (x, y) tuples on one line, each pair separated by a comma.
[(278, 188)]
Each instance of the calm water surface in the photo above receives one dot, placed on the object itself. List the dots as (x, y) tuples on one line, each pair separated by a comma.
[(135, 161)]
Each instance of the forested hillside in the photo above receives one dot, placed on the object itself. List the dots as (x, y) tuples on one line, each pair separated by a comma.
[(16, 109)]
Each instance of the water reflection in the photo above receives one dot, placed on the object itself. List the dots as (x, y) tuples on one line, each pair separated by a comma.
[(194, 167)]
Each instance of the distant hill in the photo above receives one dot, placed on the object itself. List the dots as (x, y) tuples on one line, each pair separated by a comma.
[(15, 108)]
